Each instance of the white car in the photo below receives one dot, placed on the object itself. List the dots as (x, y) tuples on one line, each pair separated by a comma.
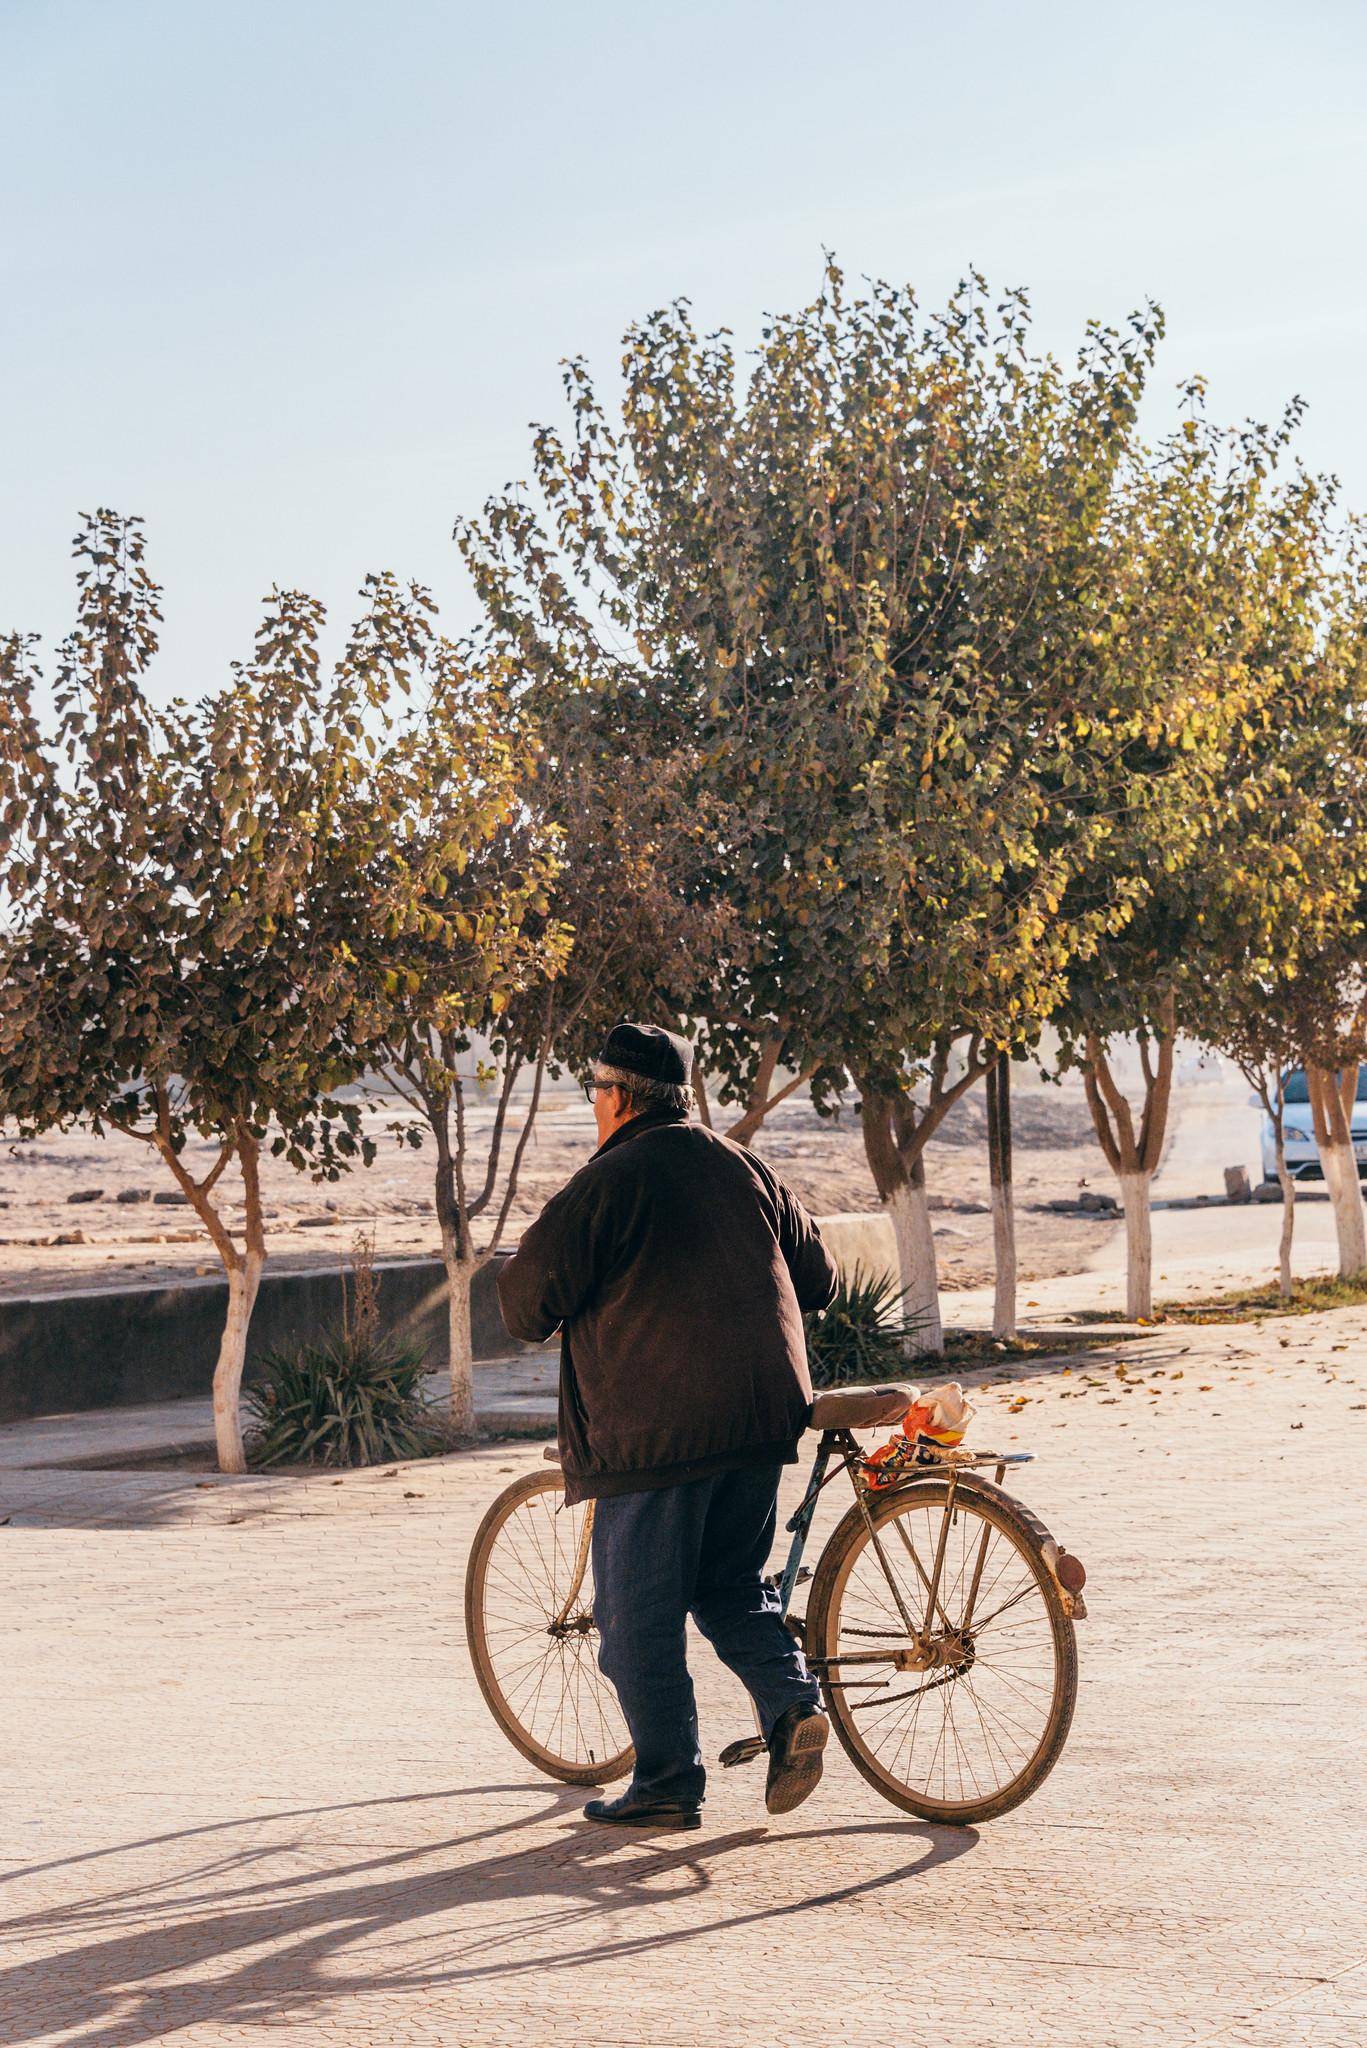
[(1302, 1153)]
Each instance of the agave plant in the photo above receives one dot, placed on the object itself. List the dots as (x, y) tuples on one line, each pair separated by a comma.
[(353, 1396), (335, 1400), (863, 1335)]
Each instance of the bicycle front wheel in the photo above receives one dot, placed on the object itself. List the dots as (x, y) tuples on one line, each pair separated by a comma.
[(955, 1710), (529, 1624)]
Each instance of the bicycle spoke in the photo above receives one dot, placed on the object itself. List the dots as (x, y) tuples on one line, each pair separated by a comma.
[(968, 1721), (539, 1651)]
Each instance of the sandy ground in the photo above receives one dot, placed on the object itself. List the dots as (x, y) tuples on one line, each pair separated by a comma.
[(50, 1242)]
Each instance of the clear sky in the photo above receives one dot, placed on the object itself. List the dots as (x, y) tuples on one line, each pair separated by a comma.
[(290, 277)]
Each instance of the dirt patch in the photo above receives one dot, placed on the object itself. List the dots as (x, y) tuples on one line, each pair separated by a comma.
[(116, 1234)]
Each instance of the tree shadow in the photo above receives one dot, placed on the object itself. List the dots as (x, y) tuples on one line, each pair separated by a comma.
[(264, 1944), (99, 1497), (286, 1813), (1138, 1353)]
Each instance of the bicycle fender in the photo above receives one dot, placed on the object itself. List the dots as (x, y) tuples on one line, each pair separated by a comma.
[(1060, 1564)]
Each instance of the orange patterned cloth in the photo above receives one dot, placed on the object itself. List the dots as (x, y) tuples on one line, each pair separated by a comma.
[(939, 1416)]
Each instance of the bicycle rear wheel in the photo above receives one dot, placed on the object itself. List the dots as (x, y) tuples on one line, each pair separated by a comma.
[(529, 1624), (958, 1714)]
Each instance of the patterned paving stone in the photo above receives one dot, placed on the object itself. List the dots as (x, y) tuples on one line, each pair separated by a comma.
[(251, 1792)]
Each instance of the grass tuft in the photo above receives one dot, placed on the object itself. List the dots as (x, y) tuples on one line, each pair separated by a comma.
[(1250, 1304)]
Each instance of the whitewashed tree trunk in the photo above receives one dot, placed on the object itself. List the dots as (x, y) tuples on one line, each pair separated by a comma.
[(1284, 1282), (1134, 1156), (1134, 1196), (460, 1275), (243, 1282), (1345, 1192), (910, 1215)]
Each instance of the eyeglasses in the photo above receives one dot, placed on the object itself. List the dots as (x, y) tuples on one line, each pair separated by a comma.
[(591, 1087)]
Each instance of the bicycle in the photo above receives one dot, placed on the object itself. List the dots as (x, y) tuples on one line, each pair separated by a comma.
[(936, 1577)]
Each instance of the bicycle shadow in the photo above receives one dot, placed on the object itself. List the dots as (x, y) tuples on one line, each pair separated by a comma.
[(264, 1945)]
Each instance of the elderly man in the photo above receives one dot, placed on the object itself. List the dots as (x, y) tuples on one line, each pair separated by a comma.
[(677, 1268)]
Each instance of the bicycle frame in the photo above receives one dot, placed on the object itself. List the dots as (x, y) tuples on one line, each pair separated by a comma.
[(840, 1443), (926, 1525)]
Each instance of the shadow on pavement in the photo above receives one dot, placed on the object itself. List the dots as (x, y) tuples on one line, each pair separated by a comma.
[(250, 1946)]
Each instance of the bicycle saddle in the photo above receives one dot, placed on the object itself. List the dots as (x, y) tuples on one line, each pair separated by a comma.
[(859, 1407)]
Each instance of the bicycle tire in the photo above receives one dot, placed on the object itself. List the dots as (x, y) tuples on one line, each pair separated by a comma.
[(847, 1544), (553, 1755)]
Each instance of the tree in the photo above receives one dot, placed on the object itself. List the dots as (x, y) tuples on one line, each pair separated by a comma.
[(1321, 1012), (1293, 992), (662, 575), (825, 580), (189, 891), (541, 887), (1256, 1034), (985, 549), (1328, 996), (480, 937), (1226, 632), (1310, 1014)]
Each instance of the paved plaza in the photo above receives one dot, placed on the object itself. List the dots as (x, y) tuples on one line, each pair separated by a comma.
[(250, 1791)]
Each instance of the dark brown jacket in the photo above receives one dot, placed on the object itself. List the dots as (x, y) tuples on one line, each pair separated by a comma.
[(677, 1268)]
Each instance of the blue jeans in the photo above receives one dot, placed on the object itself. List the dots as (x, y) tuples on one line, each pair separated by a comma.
[(660, 1556)]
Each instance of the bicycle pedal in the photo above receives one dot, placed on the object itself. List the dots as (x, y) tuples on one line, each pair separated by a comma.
[(741, 1752), (775, 1579)]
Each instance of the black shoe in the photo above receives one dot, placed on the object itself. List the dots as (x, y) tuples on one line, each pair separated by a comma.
[(795, 1747), (632, 1812)]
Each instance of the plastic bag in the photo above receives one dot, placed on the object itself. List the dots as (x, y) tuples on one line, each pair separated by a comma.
[(939, 1416)]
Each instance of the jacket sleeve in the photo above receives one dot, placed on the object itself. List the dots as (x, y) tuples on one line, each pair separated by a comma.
[(551, 1274), (813, 1271)]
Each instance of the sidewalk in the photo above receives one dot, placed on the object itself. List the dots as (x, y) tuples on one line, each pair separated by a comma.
[(513, 1397), (1199, 1249), (250, 1785)]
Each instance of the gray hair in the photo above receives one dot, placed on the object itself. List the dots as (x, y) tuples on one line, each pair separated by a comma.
[(645, 1093)]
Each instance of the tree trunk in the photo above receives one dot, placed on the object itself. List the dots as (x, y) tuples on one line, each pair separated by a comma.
[(742, 1131), (1134, 1196), (243, 1281), (1133, 1156), (699, 1084), (759, 1103), (1284, 1283), (1334, 1137), (895, 1135), (1003, 1206), (1345, 1192), (910, 1213), (460, 1275)]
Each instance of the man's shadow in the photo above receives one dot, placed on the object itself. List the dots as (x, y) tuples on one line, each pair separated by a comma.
[(263, 1946)]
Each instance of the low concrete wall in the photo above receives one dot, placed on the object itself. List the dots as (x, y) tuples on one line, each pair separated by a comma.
[(108, 1349), (62, 1352)]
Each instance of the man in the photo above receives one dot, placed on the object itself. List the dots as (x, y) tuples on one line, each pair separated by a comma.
[(677, 1268)]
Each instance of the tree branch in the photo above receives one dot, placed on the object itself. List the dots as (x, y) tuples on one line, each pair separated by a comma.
[(510, 1189), (1115, 1132), (511, 1069)]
